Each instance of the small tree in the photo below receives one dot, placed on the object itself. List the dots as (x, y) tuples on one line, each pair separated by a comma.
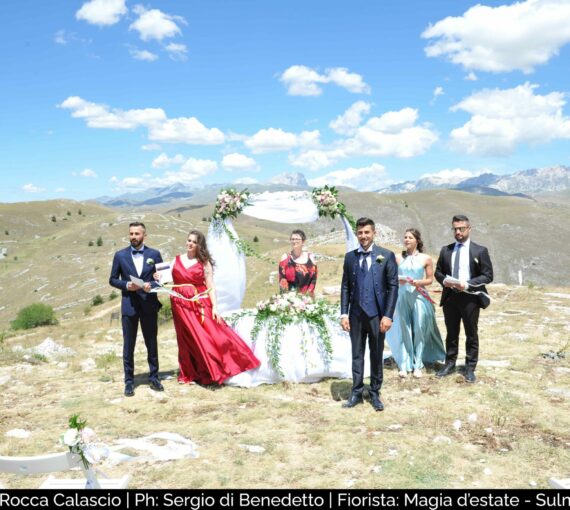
[(33, 316), (90, 243), (79, 212), (255, 239), (54, 219), (113, 295), (99, 241), (69, 213), (97, 300), (6, 232)]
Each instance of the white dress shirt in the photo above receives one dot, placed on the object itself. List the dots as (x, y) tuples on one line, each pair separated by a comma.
[(138, 260), (464, 271), (361, 257)]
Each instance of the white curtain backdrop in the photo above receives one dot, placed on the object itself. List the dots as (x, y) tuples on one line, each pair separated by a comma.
[(229, 271), (281, 207)]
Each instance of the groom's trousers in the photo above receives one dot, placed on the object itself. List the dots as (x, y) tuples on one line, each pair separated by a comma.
[(363, 327), (149, 326), (462, 307)]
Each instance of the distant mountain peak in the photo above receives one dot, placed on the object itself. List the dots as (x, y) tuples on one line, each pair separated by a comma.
[(290, 179)]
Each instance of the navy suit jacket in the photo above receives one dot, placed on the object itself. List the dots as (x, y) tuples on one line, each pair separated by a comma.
[(123, 267), (384, 274), (480, 267)]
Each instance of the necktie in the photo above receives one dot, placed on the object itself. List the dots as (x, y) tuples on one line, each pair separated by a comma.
[(455, 273), (364, 264), (137, 252)]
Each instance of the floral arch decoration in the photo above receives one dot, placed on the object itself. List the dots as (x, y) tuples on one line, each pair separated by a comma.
[(282, 207)]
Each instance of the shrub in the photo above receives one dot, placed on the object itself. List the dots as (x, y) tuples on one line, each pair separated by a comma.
[(54, 219), (6, 232), (90, 243), (99, 241), (97, 300), (113, 295), (255, 239), (33, 316), (69, 213), (165, 313), (79, 212)]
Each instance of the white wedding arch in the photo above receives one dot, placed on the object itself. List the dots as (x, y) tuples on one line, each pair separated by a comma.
[(291, 207)]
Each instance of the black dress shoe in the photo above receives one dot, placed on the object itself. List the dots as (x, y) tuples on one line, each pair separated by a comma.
[(446, 370), (156, 386), (376, 403), (470, 375), (129, 390), (353, 401)]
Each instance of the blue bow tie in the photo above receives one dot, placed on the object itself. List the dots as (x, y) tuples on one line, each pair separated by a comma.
[(137, 252)]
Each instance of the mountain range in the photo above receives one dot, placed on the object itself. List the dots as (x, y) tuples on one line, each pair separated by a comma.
[(524, 184)]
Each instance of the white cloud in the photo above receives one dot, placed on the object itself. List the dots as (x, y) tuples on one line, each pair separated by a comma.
[(471, 76), (512, 37), (160, 128), (503, 119), (347, 123), (88, 173), (391, 134), (367, 178), (60, 190), (59, 37), (102, 12), (438, 91), (144, 55), (191, 169), (164, 161), (151, 147), (31, 188), (100, 116), (315, 159), (185, 130), (246, 180), (303, 81), (177, 51), (446, 176), (155, 24), (236, 161), (274, 140)]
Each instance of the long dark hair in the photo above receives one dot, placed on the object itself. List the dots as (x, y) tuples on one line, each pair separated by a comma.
[(418, 237), (202, 254)]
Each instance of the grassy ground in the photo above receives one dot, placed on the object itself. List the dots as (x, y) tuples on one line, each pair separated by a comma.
[(514, 422)]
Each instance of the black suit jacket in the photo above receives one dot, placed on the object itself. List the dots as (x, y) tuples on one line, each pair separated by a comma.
[(480, 268), (384, 274), (123, 267)]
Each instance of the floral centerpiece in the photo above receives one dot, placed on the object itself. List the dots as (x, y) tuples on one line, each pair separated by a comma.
[(288, 308), (230, 203), (81, 441), (328, 204)]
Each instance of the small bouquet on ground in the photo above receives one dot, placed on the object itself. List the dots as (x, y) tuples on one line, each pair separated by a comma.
[(328, 204), (81, 441), (230, 203)]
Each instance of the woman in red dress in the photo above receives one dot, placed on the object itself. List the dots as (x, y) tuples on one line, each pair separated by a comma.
[(298, 269), (209, 351)]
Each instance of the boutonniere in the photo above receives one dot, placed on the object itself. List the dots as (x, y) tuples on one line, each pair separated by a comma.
[(476, 260), (150, 261), (380, 259)]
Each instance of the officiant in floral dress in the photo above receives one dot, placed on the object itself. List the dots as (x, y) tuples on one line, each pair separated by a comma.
[(298, 269)]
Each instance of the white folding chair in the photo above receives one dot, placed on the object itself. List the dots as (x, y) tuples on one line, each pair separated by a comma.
[(60, 462), (559, 483)]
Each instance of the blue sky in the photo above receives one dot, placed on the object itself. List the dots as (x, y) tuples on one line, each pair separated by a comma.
[(102, 97)]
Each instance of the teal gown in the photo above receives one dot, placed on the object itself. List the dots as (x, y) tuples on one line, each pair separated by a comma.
[(414, 337)]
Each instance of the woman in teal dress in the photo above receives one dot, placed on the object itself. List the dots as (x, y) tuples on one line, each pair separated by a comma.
[(414, 337)]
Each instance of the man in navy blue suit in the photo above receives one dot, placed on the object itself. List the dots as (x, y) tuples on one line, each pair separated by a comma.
[(137, 303), (368, 298)]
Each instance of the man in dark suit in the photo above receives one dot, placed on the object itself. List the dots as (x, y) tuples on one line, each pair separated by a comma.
[(368, 298), (137, 303), (469, 264)]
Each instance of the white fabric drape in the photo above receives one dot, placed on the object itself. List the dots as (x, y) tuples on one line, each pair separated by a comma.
[(351, 240), (283, 207), (229, 271)]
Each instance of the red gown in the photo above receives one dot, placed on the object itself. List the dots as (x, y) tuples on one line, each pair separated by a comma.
[(208, 352)]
